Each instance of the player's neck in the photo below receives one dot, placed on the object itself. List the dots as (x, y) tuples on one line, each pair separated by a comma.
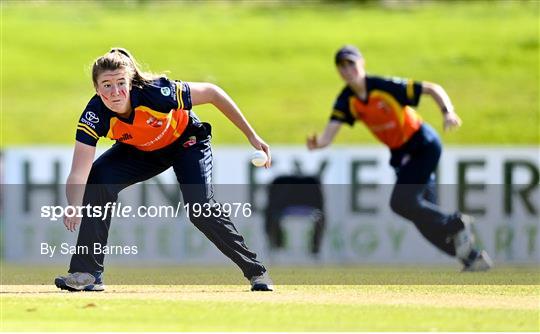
[(127, 112), (359, 87)]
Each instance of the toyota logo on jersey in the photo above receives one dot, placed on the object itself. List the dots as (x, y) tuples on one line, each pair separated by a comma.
[(90, 116)]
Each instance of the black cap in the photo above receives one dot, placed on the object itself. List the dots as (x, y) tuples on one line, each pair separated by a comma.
[(348, 52)]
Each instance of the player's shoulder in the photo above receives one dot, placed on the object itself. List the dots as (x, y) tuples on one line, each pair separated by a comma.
[(158, 88), (379, 81), (342, 100), (160, 85), (96, 107), (345, 93), (95, 102), (96, 116)]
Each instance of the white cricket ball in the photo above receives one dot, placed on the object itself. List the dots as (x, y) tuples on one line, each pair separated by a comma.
[(259, 158)]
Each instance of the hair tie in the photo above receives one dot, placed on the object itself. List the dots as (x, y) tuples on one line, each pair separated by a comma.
[(119, 50)]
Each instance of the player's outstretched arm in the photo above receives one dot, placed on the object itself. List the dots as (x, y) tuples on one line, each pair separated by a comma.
[(83, 157), (315, 142), (202, 93), (450, 119)]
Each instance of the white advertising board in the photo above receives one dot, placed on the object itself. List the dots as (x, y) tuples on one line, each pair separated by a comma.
[(497, 185)]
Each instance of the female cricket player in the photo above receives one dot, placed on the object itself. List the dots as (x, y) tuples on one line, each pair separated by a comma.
[(150, 118), (384, 105)]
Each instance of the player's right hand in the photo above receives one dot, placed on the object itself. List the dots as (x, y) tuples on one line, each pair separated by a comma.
[(260, 144), (451, 121), (71, 223)]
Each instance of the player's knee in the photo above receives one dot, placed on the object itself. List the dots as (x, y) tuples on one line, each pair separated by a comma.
[(400, 205), (395, 205), (99, 174), (196, 219), (199, 213), (100, 187), (435, 148)]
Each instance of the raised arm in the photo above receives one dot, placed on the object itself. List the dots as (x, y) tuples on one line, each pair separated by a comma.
[(315, 142), (83, 157), (451, 119), (202, 93)]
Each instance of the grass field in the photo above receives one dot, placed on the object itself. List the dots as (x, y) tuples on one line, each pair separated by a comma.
[(275, 60), (455, 305), (373, 298), (290, 308)]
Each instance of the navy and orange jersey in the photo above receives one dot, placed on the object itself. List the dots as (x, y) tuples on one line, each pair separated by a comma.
[(161, 112), (386, 111)]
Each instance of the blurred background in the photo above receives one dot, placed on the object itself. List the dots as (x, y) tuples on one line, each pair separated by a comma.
[(275, 59)]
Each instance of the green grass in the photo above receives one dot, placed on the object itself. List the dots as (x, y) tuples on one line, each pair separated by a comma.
[(289, 308), (63, 312), (403, 298), (276, 62)]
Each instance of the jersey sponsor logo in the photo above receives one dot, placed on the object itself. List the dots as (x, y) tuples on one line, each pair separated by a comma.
[(124, 137), (156, 139), (154, 122), (165, 91), (190, 142), (91, 116), (90, 124), (381, 105)]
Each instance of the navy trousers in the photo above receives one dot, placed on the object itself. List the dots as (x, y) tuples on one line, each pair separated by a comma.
[(414, 195), (123, 165)]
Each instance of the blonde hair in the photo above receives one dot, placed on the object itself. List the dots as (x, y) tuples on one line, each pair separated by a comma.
[(121, 58)]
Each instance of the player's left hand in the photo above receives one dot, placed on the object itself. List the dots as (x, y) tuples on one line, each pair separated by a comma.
[(451, 121), (311, 142), (260, 144)]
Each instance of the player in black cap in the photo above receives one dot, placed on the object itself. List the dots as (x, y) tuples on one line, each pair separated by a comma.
[(384, 105)]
